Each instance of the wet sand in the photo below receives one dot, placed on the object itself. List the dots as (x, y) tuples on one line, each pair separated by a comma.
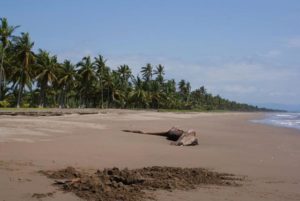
[(228, 142)]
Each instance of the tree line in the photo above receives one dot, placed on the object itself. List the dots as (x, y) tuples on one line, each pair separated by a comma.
[(38, 79)]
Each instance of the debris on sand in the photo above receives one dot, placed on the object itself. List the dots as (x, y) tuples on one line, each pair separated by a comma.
[(130, 185), (42, 195), (178, 136)]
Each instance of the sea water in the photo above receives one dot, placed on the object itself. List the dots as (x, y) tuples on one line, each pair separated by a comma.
[(289, 120)]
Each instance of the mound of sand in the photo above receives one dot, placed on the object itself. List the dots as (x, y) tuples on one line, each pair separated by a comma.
[(130, 185)]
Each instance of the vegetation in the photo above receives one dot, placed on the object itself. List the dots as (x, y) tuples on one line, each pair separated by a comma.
[(38, 79)]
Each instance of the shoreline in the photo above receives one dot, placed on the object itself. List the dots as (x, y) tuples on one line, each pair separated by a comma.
[(228, 142)]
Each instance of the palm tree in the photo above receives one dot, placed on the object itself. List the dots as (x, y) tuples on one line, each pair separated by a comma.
[(156, 94), (125, 74), (66, 80), (170, 86), (188, 91), (182, 87), (170, 94), (47, 67), (5, 33), (23, 47), (101, 66), (147, 72), (160, 72), (117, 89), (108, 84), (138, 97), (87, 74)]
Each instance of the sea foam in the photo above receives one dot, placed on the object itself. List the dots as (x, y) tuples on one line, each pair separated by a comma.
[(289, 120)]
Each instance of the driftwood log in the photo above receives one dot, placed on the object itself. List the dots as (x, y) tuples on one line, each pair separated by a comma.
[(179, 137)]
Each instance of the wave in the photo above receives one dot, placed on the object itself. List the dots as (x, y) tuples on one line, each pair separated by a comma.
[(289, 120), (284, 115)]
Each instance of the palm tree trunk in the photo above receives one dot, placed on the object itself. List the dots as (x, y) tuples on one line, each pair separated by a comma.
[(108, 97), (64, 97), (101, 93), (21, 86), (2, 73), (44, 96), (86, 98), (41, 98), (80, 99), (61, 99), (19, 95)]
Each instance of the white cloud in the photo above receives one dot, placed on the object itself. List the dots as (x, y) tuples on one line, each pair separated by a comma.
[(294, 42), (75, 55), (246, 72), (273, 54), (239, 89)]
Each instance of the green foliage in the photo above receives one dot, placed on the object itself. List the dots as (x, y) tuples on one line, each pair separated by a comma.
[(25, 105), (4, 104)]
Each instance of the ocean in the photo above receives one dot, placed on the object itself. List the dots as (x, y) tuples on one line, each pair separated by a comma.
[(288, 120)]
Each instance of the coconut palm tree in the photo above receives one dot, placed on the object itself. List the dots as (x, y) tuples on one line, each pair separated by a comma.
[(117, 90), (100, 64), (138, 96), (46, 68), (87, 77), (125, 74), (156, 94), (160, 72), (5, 34), (182, 87), (188, 91), (170, 87), (108, 84), (147, 72), (66, 80), (26, 57)]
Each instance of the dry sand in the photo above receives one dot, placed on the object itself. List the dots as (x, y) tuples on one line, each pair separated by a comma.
[(228, 142)]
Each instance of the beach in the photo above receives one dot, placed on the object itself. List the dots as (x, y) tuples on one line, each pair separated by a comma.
[(267, 157)]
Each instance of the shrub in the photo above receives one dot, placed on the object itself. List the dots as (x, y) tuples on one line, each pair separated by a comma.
[(25, 105), (4, 103)]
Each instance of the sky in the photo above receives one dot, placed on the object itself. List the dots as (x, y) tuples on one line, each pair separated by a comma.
[(243, 50)]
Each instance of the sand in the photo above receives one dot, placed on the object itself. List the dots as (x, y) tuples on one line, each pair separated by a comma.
[(113, 184), (268, 156)]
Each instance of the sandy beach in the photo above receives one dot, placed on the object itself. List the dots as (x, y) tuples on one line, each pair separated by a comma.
[(268, 157)]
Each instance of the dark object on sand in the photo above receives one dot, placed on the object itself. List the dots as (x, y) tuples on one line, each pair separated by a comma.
[(42, 195), (180, 137), (135, 185)]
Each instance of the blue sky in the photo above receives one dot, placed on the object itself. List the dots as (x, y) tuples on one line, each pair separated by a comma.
[(247, 51)]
